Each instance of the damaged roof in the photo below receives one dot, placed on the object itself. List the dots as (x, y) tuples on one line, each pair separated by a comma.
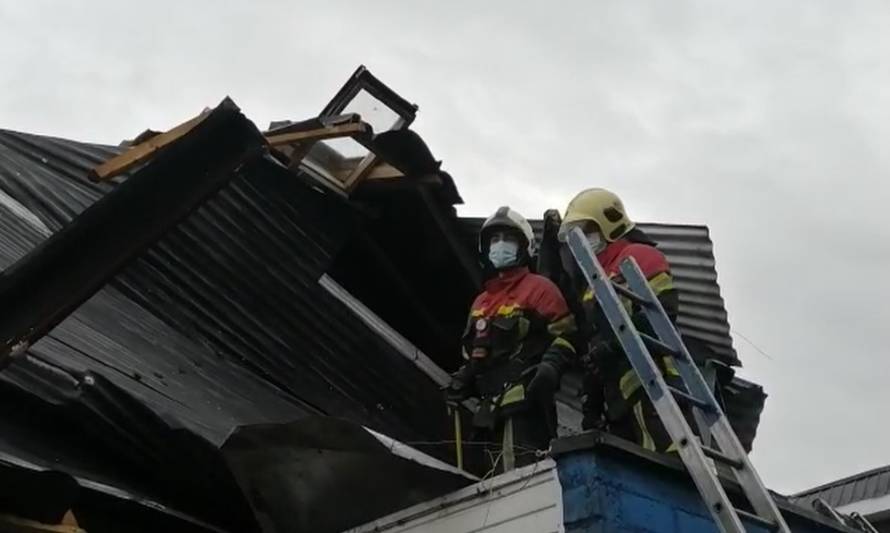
[(256, 293), (220, 323)]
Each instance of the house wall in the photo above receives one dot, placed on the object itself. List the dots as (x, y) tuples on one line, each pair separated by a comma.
[(602, 493)]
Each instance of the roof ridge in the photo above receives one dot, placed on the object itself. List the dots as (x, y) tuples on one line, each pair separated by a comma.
[(843, 481)]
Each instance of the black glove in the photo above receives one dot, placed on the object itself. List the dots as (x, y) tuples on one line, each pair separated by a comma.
[(593, 402), (599, 350), (552, 221), (545, 382), (457, 390), (591, 421)]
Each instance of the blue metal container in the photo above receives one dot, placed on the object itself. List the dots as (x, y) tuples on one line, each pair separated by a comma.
[(609, 485)]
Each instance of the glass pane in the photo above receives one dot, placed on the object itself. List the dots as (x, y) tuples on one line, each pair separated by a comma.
[(347, 147), (336, 158), (372, 111)]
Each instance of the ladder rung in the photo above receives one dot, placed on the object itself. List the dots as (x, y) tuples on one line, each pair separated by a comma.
[(759, 520), (722, 457), (658, 346), (680, 395), (631, 295)]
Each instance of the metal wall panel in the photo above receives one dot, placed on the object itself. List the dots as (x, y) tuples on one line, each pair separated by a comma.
[(526, 500), (863, 486)]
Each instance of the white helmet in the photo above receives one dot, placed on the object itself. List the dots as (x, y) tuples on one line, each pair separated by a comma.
[(506, 218)]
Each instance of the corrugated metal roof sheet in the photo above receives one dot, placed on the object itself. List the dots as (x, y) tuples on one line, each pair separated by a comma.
[(221, 323), (702, 310), (863, 486), (239, 276), (691, 254)]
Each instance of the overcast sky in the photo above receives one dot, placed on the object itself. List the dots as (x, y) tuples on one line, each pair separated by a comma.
[(769, 121)]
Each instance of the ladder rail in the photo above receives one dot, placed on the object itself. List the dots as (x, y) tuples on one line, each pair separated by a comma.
[(653, 383), (721, 429)]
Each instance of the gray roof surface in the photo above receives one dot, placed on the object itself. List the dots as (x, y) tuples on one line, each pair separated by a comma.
[(863, 486)]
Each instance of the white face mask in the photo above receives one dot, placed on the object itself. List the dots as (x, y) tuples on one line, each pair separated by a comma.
[(503, 253), (597, 243)]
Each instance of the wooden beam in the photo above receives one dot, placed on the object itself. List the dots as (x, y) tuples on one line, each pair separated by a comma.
[(320, 134), (360, 172), (137, 154), (364, 168), (384, 171)]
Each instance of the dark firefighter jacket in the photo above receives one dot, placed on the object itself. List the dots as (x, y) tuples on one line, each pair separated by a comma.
[(520, 320), (620, 384)]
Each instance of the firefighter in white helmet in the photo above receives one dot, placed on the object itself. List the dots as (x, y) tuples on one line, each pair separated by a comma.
[(515, 344)]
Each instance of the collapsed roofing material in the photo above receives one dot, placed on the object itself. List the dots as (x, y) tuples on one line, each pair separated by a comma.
[(221, 323), (47, 285), (299, 476)]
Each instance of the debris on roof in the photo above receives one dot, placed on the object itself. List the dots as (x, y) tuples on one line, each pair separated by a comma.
[(218, 324)]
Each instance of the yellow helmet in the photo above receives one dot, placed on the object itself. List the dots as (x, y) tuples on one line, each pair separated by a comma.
[(600, 206)]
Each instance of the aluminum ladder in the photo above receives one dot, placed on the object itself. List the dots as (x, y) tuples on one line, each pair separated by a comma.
[(698, 397)]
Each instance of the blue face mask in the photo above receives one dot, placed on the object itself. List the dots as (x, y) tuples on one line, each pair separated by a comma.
[(503, 254)]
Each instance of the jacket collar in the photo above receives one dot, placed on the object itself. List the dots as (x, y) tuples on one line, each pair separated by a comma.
[(505, 279), (612, 251)]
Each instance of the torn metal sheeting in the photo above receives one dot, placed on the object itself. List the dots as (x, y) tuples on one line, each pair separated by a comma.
[(70, 266), (298, 476)]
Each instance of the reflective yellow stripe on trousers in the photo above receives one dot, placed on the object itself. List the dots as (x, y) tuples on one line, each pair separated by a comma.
[(648, 442)]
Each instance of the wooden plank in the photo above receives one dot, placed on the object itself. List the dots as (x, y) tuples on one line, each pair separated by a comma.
[(345, 130), (123, 162), (384, 171), (360, 172)]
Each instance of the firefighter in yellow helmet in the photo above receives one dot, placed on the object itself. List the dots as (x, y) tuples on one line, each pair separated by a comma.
[(614, 398)]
